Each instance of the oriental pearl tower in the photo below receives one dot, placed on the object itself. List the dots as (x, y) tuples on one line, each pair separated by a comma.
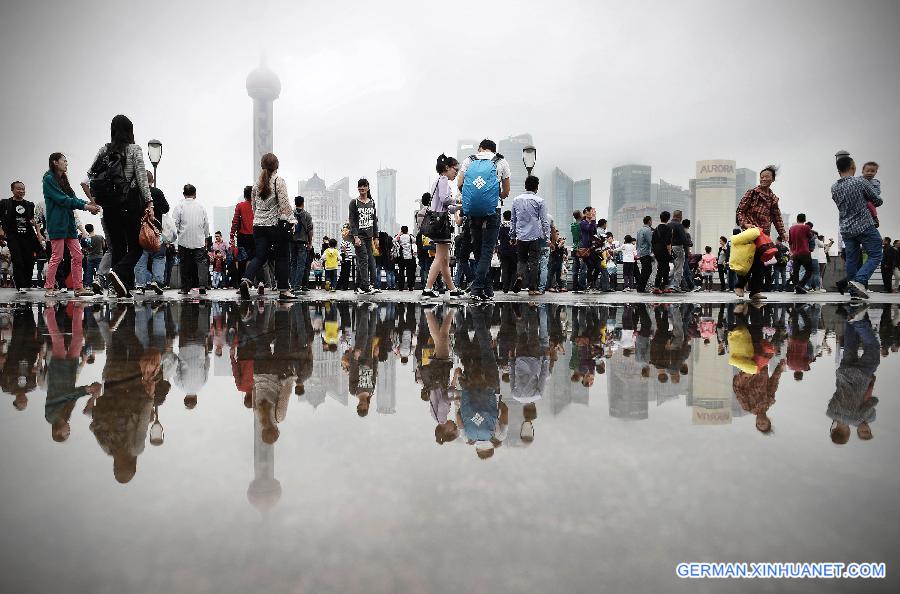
[(264, 88)]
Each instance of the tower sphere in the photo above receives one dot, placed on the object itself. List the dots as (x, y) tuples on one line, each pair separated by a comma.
[(262, 83)]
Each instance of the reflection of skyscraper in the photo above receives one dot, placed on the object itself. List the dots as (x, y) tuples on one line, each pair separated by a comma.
[(711, 395), (628, 391), (386, 387), (386, 201), (582, 194), (511, 148), (264, 490), (264, 88)]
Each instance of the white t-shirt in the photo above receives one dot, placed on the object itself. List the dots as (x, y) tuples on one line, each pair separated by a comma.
[(503, 169), (628, 251)]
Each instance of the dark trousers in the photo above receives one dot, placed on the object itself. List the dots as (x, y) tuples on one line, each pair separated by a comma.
[(264, 238), (484, 239), (122, 229), (663, 259), (593, 268), (577, 273), (194, 268), (628, 268), (346, 270), (304, 278), (528, 267), (722, 285), (406, 276), (644, 276), (804, 261), (756, 276), (554, 274), (331, 278), (298, 264), (364, 260), (21, 252), (507, 272)]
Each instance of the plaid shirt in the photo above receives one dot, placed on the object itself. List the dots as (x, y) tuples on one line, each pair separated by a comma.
[(759, 208), (850, 194)]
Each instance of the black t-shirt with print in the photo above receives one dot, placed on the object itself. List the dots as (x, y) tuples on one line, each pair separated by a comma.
[(16, 216)]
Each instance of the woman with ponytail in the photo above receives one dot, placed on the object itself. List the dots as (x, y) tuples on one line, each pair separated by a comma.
[(60, 202), (442, 205), (273, 223)]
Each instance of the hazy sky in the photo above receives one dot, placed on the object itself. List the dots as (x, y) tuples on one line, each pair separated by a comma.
[(366, 85)]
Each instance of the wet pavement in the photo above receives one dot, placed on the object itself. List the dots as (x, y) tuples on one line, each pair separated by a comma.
[(207, 446)]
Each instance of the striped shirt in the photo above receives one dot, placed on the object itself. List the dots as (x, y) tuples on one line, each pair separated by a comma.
[(191, 223), (266, 211)]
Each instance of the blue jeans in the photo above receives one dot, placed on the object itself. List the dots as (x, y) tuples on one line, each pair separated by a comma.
[(869, 242), (157, 271), (816, 282), (485, 231), (298, 262), (779, 277), (463, 272), (545, 258), (90, 269)]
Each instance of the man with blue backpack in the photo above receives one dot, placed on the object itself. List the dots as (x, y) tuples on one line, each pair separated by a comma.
[(483, 179)]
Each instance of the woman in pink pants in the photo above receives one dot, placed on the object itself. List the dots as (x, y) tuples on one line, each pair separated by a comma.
[(60, 202)]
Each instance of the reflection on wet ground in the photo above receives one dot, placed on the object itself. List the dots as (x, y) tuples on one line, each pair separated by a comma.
[(441, 448)]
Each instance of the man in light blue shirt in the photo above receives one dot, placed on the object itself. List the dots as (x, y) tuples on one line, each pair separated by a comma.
[(645, 253), (530, 226)]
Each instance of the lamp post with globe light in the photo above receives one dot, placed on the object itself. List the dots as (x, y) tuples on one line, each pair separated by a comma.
[(529, 157), (154, 152)]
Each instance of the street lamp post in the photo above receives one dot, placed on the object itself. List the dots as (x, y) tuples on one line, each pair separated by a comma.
[(529, 157), (154, 152)]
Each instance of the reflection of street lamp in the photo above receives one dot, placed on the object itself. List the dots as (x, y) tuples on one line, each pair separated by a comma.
[(156, 429), (529, 157), (154, 152)]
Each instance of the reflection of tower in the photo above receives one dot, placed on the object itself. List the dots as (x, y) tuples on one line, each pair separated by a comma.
[(265, 490), (264, 88), (386, 387)]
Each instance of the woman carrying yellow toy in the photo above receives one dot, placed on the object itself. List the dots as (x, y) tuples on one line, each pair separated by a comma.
[(759, 209)]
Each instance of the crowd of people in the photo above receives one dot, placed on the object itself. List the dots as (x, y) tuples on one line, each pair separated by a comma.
[(464, 242), (483, 373)]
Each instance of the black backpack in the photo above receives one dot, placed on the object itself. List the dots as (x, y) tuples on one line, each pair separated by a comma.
[(107, 178)]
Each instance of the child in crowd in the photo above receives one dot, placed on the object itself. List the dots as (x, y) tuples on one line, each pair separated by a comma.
[(708, 265), (218, 268), (316, 268), (331, 265), (869, 171)]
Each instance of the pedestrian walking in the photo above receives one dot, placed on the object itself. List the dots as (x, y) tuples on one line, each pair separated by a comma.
[(442, 206)]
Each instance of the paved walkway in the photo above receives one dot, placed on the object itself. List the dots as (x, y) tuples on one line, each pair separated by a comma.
[(10, 296)]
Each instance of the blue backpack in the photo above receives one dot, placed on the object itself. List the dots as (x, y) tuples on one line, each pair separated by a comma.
[(481, 187)]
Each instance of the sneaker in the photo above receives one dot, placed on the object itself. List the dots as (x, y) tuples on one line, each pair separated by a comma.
[(373, 290), (244, 289), (97, 288), (22, 291), (517, 286), (260, 290), (50, 293), (428, 294), (118, 286), (156, 288), (84, 292), (479, 297), (457, 294), (857, 312), (287, 296), (859, 290), (361, 291), (184, 291), (842, 286), (800, 291)]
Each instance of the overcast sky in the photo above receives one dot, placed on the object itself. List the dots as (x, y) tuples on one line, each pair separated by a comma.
[(392, 84)]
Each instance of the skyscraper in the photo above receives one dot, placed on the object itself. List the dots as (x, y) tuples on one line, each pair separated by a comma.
[(386, 200), (714, 202), (466, 148), (321, 207), (582, 195), (671, 197), (629, 184), (511, 148), (264, 88), (560, 198), (744, 179)]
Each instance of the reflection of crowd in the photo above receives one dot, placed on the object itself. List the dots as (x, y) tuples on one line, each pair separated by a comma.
[(483, 371)]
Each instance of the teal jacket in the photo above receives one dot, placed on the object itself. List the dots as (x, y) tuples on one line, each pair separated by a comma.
[(59, 205)]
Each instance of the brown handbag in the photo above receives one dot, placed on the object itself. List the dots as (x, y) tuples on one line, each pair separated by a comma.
[(148, 236)]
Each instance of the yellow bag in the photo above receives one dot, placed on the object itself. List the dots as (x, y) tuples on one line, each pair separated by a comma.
[(740, 345), (375, 251), (743, 249)]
